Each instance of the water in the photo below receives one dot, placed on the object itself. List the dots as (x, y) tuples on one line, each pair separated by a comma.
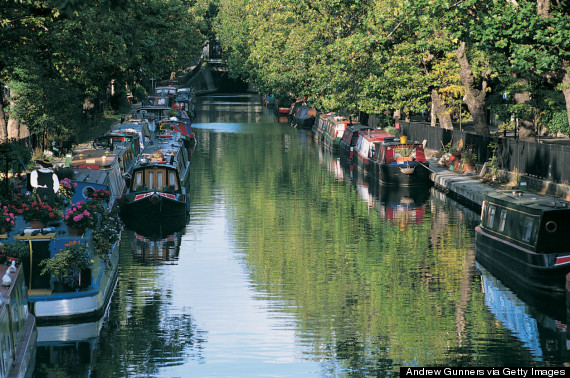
[(292, 265)]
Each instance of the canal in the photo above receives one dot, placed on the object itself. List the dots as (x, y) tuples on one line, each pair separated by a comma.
[(292, 265)]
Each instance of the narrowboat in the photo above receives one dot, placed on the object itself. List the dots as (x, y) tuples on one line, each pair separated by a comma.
[(184, 101), (157, 101), (18, 333), (140, 127), (182, 127), (303, 116), (334, 130), (349, 139), (50, 301), (397, 162), (365, 147), (166, 91), (153, 114), (522, 238), (157, 190), (318, 128), (101, 168)]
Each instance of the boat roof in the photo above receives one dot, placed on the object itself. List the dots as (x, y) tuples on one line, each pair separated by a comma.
[(168, 144), (376, 135), (358, 127), (94, 158), (532, 202)]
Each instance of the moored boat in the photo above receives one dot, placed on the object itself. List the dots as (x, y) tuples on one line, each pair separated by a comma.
[(303, 116), (522, 238), (18, 334), (349, 139), (397, 162), (333, 130), (364, 149), (182, 127), (101, 168), (157, 190)]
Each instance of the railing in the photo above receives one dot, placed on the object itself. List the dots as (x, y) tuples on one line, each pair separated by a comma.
[(547, 161)]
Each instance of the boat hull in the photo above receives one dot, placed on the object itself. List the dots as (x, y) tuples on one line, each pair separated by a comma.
[(414, 174), (155, 206), (538, 273), (82, 305)]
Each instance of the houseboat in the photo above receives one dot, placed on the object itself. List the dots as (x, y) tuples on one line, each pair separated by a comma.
[(184, 101), (319, 126), (142, 130), (333, 130), (18, 334), (396, 162), (349, 139), (101, 168), (153, 114), (522, 238), (365, 147), (302, 115), (157, 191), (163, 101), (173, 123)]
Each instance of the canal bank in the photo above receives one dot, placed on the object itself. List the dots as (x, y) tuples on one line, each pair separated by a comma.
[(470, 189)]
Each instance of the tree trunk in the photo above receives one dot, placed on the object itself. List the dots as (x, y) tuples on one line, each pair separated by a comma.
[(474, 96), (566, 86), (13, 128), (543, 8), (440, 111), (3, 129), (526, 126)]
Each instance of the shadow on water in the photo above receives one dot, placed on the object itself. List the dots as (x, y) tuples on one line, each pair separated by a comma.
[(293, 264)]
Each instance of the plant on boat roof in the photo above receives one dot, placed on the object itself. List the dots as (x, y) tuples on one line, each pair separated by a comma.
[(18, 249), (106, 234), (100, 194), (80, 215), (32, 209), (68, 263)]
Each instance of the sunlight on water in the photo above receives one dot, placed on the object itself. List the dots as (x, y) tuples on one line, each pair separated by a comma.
[(293, 264)]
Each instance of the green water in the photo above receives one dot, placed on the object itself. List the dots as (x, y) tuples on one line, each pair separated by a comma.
[(292, 265)]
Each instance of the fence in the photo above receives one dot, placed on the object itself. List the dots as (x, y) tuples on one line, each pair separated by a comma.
[(547, 161)]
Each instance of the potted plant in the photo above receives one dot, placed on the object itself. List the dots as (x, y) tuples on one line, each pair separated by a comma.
[(37, 213), (100, 195), (78, 217), (65, 191), (7, 219), (70, 266)]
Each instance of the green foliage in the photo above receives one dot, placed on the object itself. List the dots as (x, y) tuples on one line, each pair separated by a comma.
[(18, 249)]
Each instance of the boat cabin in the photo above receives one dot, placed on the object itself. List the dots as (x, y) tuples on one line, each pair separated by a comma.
[(391, 150), (96, 169), (535, 222), (350, 137)]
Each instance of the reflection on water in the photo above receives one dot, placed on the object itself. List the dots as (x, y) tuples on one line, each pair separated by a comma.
[(294, 265)]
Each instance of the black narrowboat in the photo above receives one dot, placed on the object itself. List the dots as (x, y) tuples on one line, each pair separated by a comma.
[(522, 239), (157, 190)]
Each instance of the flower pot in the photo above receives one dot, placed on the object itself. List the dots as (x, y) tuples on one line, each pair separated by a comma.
[(34, 223), (75, 231)]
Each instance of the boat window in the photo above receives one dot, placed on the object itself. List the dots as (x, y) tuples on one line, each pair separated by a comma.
[(138, 180), (491, 216), (159, 182), (527, 229), (502, 220), (150, 180), (172, 182)]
